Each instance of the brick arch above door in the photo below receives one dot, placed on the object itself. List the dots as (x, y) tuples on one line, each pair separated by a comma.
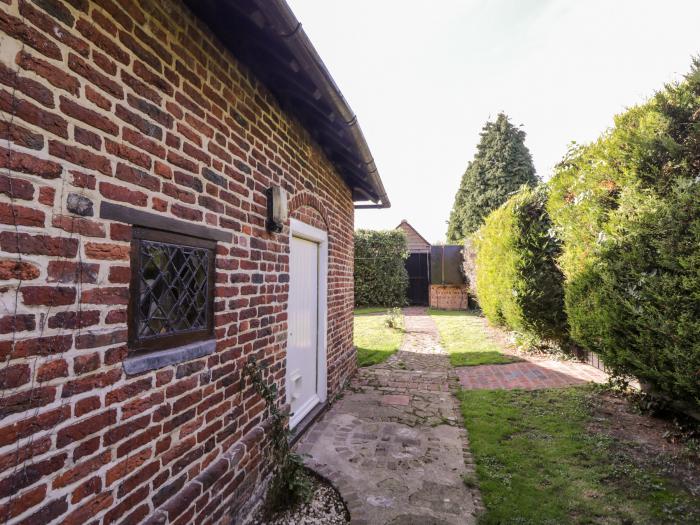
[(307, 208)]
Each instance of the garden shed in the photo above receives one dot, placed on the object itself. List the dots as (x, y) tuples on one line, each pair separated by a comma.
[(435, 273), (178, 188)]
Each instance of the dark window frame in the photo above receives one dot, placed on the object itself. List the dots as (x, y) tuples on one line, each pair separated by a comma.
[(177, 339)]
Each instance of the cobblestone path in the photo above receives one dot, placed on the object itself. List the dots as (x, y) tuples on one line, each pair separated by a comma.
[(394, 445)]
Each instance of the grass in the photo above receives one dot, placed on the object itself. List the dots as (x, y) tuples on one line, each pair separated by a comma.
[(374, 341), (371, 310), (462, 335), (536, 464)]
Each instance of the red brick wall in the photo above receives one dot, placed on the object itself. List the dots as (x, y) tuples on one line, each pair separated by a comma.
[(448, 297), (135, 103)]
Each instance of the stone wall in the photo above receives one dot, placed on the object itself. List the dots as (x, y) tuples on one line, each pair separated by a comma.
[(136, 103)]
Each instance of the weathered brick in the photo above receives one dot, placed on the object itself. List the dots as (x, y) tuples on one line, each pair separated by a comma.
[(87, 405), (25, 163), (80, 156), (118, 433), (47, 23), (88, 116), (106, 84), (79, 225), (83, 180), (47, 195), (74, 320), (111, 295), (21, 270), (40, 346), (47, 513), (85, 384), (48, 295), (28, 86), (94, 96), (21, 136), (13, 376), (20, 215), (83, 364), (52, 370), (56, 76), (88, 138), (102, 41), (127, 153), (119, 274), (82, 469), (107, 251), (96, 339), (86, 427), (16, 28), (32, 114), (16, 188), (23, 502), (29, 474), (38, 244), (71, 272), (138, 177), (88, 509), (141, 405), (122, 194), (88, 488)]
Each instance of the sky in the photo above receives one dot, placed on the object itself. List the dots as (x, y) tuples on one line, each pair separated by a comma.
[(423, 76)]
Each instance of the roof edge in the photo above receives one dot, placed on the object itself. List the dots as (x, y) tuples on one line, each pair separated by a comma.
[(290, 29)]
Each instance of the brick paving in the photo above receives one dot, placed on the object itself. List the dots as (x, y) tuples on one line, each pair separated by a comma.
[(529, 375)]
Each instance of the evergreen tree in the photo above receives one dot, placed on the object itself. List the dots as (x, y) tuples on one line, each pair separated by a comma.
[(501, 166)]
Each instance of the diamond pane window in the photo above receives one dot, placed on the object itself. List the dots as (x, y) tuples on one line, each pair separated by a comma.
[(171, 289)]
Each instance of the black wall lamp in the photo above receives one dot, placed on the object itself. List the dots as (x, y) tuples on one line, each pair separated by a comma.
[(276, 209)]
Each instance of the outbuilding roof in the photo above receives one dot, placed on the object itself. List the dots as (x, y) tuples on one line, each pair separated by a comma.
[(266, 36)]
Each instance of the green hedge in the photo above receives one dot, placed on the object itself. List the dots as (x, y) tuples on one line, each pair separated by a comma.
[(627, 208), (380, 272), (519, 284)]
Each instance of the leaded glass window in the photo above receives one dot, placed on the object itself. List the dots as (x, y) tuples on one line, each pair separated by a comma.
[(171, 289)]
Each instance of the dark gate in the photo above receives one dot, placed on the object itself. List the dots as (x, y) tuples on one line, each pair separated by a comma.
[(418, 268)]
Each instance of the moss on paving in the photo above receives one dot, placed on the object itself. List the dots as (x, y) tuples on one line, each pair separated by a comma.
[(374, 341), (537, 464), (463, 336)]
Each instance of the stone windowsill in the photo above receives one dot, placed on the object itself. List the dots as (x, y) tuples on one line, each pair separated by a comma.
[(139, 363)]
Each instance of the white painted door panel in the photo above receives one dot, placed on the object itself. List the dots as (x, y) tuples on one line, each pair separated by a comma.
[(302, 341)]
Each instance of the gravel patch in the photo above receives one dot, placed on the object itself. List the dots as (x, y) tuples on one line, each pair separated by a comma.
[(325, 507)]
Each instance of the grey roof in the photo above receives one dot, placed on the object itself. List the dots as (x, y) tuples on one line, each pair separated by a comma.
[(266, 36)]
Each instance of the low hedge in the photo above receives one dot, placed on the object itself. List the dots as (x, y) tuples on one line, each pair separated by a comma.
[(627, 208), (519, 284), (381, 278)]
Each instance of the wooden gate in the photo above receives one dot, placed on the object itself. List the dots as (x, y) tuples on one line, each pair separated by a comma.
[(418, 267)]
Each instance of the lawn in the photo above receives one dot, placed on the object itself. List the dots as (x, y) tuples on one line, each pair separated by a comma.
[(537, 464), (374, 341), (370, 310), (462, 335)]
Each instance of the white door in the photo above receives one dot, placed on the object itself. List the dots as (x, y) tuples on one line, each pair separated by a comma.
[(303, 322)]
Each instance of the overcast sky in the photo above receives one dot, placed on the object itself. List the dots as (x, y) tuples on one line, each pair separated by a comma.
[(424, 76)]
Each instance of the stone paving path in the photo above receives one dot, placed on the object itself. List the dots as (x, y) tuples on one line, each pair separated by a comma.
[(529, 375), (394, 445)]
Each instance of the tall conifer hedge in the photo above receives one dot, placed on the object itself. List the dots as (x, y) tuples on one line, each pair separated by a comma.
[(627, 208), (519, 284)]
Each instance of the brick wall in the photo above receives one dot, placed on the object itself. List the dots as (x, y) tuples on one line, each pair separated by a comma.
[(135, 103), (447, 297)]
